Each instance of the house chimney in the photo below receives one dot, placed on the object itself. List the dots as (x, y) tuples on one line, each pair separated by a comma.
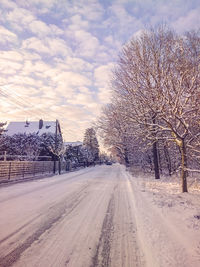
[(27, 123), (40, 124)]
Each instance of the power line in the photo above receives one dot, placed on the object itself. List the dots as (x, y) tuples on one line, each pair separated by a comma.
[(19, 101)]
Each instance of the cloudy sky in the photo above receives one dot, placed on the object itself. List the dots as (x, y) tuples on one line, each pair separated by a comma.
[(55, 55)]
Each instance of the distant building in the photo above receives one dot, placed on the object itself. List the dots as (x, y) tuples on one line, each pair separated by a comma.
[(73, 144), (33, 127)]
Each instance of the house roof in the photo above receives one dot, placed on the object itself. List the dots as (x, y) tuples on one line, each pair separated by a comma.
[(31, 127)]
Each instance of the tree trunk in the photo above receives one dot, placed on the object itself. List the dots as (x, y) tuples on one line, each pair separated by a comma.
[(59, 166), (126, 158), (155, 161), (168, 160), (184, 172), (155, 151), (159, 159), (54, 164)]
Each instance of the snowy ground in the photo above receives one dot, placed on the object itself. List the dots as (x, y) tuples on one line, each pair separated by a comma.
[(99, 216), (85, 218), (168, 221)]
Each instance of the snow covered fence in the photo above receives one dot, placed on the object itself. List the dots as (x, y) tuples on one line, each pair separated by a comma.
[(12, 170)]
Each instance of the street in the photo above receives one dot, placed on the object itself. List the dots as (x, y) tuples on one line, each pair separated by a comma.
[(83, 218)]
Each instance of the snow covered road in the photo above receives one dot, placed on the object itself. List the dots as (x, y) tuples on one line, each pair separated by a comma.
[(85, 218)]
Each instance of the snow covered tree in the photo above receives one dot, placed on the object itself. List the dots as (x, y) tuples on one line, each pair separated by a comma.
[(114, 132), (90, 143), (52, 144), (21, 146), (1, 127), (156, 83), (121, 136), (75, 154)]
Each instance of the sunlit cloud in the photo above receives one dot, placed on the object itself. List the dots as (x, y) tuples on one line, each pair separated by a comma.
[(56, 56), (7, 36)]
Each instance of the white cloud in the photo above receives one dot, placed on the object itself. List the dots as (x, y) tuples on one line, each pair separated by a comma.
[(109, 39), (51, 46), (58, 47), (22, 92), (36, 44), (104, 94), (30, 55), (47, 3), (71, 79), (41, 5), (19, 18), (72, 114), (81, 99), (8, 4), (39, 28), (188, 22), (11, 55), (35, 67), (102, 74), (87, 44), (102, 78), (20, 80), (7, 36), (9, 67), (55, 30), (122, 22), (90, 9), (78, 23), (78, 64)]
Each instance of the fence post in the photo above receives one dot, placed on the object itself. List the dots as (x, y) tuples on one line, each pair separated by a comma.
[(23, 169), (34, 169), (43, 168), (9, 170)]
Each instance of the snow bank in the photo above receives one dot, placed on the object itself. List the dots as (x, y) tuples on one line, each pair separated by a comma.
[(168, 221)]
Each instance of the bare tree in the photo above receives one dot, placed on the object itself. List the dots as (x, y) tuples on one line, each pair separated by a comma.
[(157, 82), (90, 143)]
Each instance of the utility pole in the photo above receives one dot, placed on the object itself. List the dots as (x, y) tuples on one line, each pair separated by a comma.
[(56, 145)]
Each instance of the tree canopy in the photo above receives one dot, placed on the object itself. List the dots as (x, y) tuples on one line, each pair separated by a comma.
[(90, 142), (156, 97)]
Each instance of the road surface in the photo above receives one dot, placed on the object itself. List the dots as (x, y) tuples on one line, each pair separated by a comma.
[(84, 218)]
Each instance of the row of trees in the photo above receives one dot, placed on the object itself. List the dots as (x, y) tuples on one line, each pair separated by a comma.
[(154, 117), (87, 153), (50, 146)]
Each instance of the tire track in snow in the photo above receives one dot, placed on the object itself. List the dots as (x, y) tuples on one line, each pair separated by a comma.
[(102, 255), (55, 214), (44, 186)]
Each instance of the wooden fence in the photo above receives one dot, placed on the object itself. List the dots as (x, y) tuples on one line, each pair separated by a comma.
[(12, 170)]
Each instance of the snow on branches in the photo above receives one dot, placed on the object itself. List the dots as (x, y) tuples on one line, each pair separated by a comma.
[(156, 97)]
